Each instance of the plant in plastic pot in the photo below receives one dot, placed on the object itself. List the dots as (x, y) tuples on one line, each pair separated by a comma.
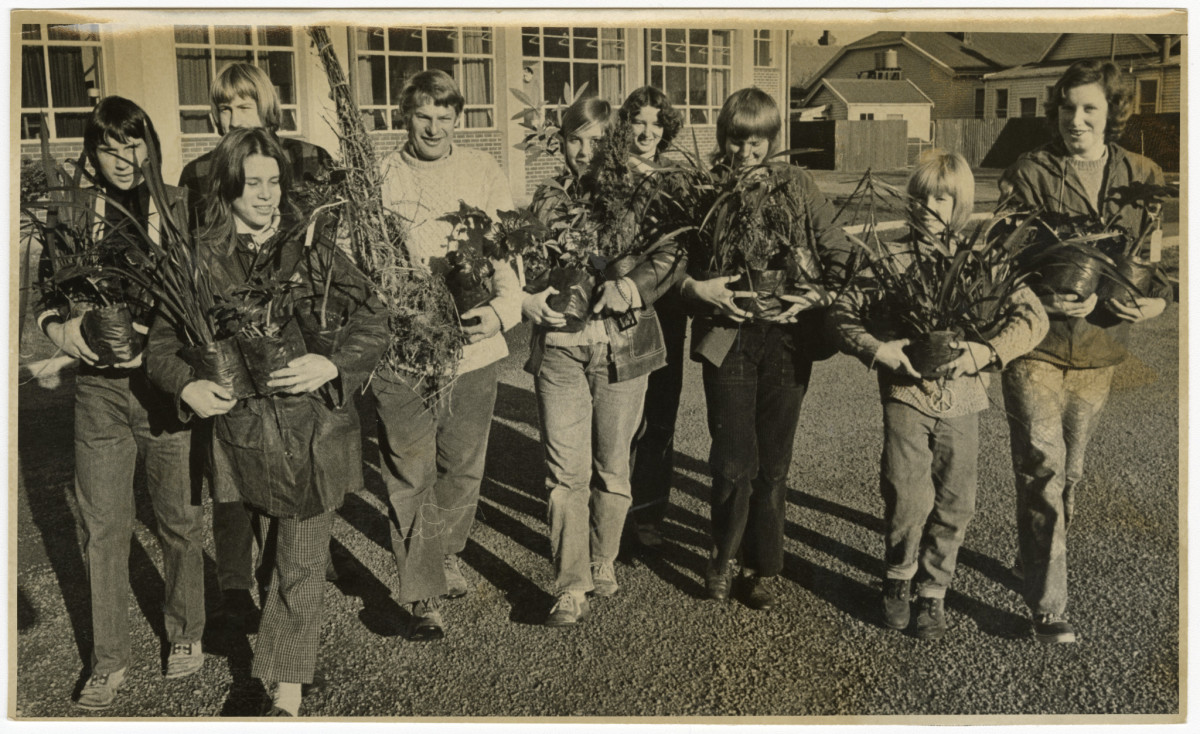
[(1136, 261), (470, 275), (266, 332)]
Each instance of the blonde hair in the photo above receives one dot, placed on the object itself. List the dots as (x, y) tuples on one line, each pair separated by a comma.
[(246, 80), (944, 172)]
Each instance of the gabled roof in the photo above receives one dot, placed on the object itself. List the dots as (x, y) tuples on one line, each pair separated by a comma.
[(805, 61), (873, 91), (1127, 43), (983, 52)]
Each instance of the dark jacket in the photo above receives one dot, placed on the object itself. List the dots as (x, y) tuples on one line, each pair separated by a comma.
[(1042, 178), (713, 336), (309, 163), (287, 455), (636, 351)]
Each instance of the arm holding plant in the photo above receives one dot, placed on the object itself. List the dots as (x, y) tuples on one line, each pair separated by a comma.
[(853, 338), (503, 312), (173, 375), (830, 243)]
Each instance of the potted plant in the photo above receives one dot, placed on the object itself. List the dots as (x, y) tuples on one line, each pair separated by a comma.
[(470, 275), (1136, 259)]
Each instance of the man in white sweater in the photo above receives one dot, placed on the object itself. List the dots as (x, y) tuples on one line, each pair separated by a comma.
[(433, 458)]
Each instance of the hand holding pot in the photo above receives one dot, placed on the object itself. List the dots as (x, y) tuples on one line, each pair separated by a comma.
[(207, 399), (617, 296), (488, 323), (812, 297), (891, 355), (715, 293), (975, 356), (68, 337), (1069, 305), (131, 364), (304, 374), (1142, 308), (535, 308)]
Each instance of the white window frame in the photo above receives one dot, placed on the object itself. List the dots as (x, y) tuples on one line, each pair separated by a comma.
[(1158, 85), (1007, 103), (45, 44), (389, 109), (552, 96), (254, 47), (762, 38), (713, 107)]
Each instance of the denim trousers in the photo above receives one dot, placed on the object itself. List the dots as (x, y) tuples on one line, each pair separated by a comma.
[(588, 422), (928, 476), (1052, 414), (432, 460), (289, 637), (112, 428), (754, 400), (653, 452)]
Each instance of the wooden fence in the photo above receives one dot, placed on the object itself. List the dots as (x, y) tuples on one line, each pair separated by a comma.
[(851, 145)]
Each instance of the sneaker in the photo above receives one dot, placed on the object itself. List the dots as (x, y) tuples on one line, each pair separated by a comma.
[(756, 591), (1052, 628), (604, 579), (100, 690), (897, 593), (931, 618), (185, 659), (571, 608), (456, 583), (238, 610), (717, 580), (275, 703), (648, 535), (427, 622)]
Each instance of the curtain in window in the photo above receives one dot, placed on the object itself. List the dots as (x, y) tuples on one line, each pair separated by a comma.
[(67, 77), (476, 78), (33, 78), (612, 82), (191, 68)]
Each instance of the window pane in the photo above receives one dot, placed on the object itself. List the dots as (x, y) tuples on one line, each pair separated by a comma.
[(656, 34), (476, 81), (656, 51), (721, 39), (191, 34), (73, 71), (375, 119), (70, 124), (721, 56), (698, 54), (442, 63), (33, 77), (408, 40), (31, 31), (30, 126), (274, 35), (73, 33), (589, 74), (698, 86), (477, 118), (612, 82), (556, 45), (476, 40), (675, 48), (369, 39), (401, 69), (656, 76), (531, 44), (698, 117), (586, 46), (442, 40), (720, 85), (232, 35), (698, 37), (554, 75), (227, 56), (676, 85), (288, 123), (195, 122), (278, 65), (192, 71), (612, 44), (372, 82)]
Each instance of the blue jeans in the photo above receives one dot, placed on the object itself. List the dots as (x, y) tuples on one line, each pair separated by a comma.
[(1052, 413), (928, 476), (754, 402), (588, 422), (433, 460), (112, 427)]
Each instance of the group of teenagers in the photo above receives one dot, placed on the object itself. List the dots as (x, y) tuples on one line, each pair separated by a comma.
[(607, 395)]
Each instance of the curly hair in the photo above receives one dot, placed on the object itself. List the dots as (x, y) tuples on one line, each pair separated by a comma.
[(1117, 92), (668, 117)]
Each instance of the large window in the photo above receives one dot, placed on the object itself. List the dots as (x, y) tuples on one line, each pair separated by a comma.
[(557, 56), (386, 58), (202, 51), (762, 49), (1001, 103), (1147, 96), (60, 76), (1028, 106), (693, 66)]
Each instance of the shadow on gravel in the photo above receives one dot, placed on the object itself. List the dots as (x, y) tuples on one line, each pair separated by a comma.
[(27, 616), (366, 519), (381, 615), (811, 502), (989, 619), (527, 600), (517, 405)]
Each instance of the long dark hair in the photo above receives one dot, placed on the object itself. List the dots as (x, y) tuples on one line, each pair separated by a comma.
[(120, 119), (668, 117), (227, 180)]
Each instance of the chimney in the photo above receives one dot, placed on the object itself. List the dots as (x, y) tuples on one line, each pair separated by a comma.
[(1168, 41), (966, 39), (827, 39)]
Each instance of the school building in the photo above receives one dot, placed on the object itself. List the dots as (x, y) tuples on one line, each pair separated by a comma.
[(63, 63)]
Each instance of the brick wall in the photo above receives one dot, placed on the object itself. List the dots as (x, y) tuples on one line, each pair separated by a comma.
[(193, 148), (65, 151), (544, 167), (769, 80)]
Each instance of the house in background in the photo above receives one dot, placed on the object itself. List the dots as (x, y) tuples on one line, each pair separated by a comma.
[(1151, 61), (67, 62), (873, 99), (948, 68)]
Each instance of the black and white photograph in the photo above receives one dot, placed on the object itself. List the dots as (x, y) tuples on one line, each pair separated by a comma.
[(636, 366)]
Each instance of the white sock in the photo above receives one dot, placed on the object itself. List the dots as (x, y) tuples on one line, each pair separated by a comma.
[(287, 697)]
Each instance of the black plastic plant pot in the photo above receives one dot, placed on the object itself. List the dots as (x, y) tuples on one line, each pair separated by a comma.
[(1138, 272), (108, 331), (221, 362), (768, 286), (469, 288), (322, 339), (266, 354), (1077, 275), (930, 354), (574, 297)]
